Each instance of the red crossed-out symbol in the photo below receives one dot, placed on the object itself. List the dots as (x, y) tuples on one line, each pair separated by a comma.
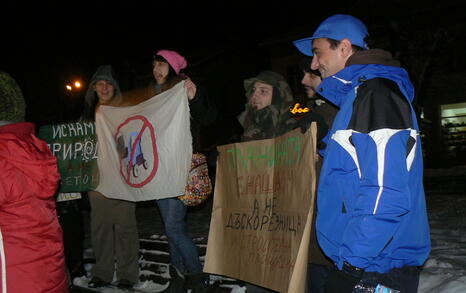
[(126, 172)]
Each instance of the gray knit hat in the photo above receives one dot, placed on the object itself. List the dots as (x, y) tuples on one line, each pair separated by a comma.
[(12, 105)]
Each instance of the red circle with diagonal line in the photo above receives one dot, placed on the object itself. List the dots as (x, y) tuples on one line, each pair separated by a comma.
[(126, 171)]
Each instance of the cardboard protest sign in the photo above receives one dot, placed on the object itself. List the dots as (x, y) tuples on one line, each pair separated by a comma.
[(262, 211), (75, 147)]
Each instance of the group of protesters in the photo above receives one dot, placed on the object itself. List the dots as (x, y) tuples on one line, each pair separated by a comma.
[(370, 230)]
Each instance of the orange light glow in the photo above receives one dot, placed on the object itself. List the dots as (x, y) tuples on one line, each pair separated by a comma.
[(297, 109)]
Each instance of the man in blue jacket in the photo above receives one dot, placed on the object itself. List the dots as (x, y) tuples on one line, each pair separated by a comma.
[(372, 219)]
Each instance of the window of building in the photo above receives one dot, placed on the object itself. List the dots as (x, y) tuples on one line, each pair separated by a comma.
[(453, 119)]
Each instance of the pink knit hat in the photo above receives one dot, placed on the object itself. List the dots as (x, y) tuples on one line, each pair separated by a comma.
[(176, 61)]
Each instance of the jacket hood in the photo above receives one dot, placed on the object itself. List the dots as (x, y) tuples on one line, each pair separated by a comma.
[(373, 56), (104, 72), (30, 157), (12, 105), (272, 120), (335, 88), (282, 96)]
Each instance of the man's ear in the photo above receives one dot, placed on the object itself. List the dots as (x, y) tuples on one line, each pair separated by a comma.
[(346, 47)]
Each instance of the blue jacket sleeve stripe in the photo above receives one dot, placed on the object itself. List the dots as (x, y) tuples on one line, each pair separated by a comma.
[(381, 138), (382, 197), (342, 137), (411, 154)]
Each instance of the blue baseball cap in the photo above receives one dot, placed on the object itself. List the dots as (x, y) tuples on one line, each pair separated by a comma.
[(336, 27)]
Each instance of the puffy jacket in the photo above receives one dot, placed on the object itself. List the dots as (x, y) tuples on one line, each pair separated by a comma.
[(371, 203), (32, 237)]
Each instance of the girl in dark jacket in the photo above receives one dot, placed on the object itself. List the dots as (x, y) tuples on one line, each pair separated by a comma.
[(167, 66)]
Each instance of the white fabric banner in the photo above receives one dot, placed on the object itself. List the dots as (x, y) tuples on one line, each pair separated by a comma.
[(145, 150)]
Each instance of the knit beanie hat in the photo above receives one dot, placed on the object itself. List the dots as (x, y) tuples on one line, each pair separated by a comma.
[(12, 105), (176, 61)]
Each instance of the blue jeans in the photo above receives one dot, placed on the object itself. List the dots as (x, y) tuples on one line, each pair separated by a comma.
[(183, 252)]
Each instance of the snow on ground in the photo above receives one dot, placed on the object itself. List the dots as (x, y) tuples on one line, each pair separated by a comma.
[(154, 273), (445, 270)]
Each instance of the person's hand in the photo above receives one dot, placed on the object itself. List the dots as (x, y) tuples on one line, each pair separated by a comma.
[(304, 127), (190, 88), (316, 157), (304, 123)]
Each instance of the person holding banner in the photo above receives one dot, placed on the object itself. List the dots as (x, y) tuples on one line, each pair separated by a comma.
[(114, 233), (31, 243), (267, 115), (372, 218), (167, 71), (319, 265), (267, 111)]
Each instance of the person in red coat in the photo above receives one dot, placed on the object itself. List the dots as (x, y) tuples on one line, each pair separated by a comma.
[(31, 244)]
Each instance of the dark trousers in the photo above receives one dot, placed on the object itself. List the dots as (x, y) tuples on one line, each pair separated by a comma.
[(114, 236), (71, 220), (405, 280), (317, 277)]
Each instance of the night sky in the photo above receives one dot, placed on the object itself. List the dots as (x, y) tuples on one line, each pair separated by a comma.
[(47, 44)]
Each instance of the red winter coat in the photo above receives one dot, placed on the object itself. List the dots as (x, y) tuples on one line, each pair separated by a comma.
[(32, 237)]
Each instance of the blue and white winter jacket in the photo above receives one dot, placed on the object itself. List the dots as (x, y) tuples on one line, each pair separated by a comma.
[(371, 204)]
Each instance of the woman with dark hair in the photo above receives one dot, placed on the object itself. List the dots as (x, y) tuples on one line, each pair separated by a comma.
[(167, 69)]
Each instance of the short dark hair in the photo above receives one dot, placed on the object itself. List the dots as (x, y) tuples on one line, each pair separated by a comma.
[(334, 44), (305, 65)]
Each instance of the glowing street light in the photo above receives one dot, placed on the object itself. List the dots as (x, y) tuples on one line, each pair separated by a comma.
[(76, 85)]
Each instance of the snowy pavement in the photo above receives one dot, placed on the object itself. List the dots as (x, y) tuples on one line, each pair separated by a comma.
[(444, 271), (154, 274)]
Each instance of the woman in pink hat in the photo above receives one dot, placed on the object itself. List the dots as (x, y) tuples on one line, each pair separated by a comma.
[(167, 69)]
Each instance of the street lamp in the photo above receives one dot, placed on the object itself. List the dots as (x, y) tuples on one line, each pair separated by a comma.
[(74, 86), (72, 92)]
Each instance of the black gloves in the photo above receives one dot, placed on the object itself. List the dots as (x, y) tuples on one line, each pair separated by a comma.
[(305, 122), (343, 281)]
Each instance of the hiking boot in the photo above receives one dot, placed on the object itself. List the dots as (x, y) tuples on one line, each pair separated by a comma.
[(97, 282), (177, 281), (203, 287), (125, 284), (78, 272), (198, 283)]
